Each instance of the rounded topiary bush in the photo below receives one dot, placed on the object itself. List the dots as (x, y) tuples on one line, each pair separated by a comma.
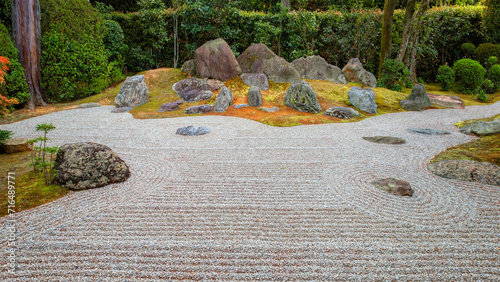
[(468, 50), (494, 75), (488, 87), (469, 75), (485, 51), (445, 76)]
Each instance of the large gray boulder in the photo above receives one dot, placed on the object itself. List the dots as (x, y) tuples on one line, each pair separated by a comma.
[(223, 100), (254, 97), (215, 59), (315, 67), (88, 165), (364, 99), (300, 96), (417, 100), (194, 89), (355, 72), (133, 92), (482, 128), (258, 58), (256, 79), (342, 112), (465, 170)]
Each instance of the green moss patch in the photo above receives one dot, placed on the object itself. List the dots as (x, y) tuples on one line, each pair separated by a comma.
[(30, 187)]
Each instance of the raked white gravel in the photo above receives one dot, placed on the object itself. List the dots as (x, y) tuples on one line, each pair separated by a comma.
[(254, 202)]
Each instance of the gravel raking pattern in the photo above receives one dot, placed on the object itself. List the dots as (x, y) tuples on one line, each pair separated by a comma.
[(253, 202)]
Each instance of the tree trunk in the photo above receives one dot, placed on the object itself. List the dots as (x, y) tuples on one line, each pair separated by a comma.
[(409, 45), (410, 10), (385, 49), (27, 39)]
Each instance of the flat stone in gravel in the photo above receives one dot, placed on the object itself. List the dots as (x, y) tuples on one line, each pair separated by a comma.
[(14, 145), (385, 140), (193, 131), (223, 100), (342, 112), (121, 110), (254, 97), (363, 99), (482, 128), (466, 170), (88, 105), (269, 110), (394, 186), (256, 79), (428, 131), (202, 109), (88, 165)]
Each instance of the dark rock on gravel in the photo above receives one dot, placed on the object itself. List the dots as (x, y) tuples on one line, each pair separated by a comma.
[(88, 165), (394, 186), (465, 170), (385, 140), (428, 131), (193, 131)]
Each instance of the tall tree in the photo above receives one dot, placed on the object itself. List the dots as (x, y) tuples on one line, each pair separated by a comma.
[(27, 39), (385, 49), (411, 35)]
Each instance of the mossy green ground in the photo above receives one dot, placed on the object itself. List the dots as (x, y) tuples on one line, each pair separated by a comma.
[(30, 187), (485, 149)]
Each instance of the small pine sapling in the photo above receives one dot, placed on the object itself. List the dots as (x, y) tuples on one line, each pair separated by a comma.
[(43, 157)]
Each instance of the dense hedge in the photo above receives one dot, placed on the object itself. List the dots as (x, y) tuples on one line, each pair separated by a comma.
[(77, 45), (334, 35)]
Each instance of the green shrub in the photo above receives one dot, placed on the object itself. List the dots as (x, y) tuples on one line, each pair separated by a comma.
[(114, 41), (494, 75), (482, 96), (395, 75), (468, 50), (485, 51), (469, 75), (488, 86), (4, 135), (15, 82), (445, 76)]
